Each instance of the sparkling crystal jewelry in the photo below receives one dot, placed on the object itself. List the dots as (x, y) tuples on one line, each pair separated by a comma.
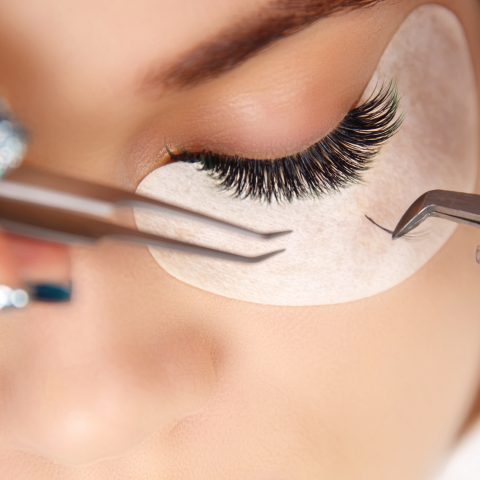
[(13, 141), (13, 298)]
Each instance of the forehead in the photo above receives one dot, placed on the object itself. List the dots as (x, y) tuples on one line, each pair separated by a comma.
[(80, 43)]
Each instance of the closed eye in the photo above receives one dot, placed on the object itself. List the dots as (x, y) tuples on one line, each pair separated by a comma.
[(334, 162)]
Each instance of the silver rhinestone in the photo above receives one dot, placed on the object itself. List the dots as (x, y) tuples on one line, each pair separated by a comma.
[(5, 293), (13, 145), (19, 298)]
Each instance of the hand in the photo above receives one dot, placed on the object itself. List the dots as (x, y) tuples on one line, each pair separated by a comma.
[(41, 269)]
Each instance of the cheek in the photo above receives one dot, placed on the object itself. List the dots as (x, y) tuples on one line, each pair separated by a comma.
[(335, 255)]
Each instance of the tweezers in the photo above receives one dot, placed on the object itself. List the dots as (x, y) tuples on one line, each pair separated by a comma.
[(41, 204), (455, 206)]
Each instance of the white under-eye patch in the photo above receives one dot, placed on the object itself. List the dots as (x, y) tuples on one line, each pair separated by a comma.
[(335, 254)]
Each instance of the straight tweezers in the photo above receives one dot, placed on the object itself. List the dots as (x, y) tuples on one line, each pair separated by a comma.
[(42, 204)]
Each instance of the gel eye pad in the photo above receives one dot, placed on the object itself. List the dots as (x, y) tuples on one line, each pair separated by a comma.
[(335, 254)]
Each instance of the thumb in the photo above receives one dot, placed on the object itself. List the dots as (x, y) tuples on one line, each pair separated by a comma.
[(41, 268), (9, 271), (11, 292)]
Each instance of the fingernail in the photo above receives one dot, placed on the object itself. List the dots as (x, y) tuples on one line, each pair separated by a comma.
[(50, 292)]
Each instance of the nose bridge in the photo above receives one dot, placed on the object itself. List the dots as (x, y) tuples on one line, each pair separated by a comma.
[(73, 413), (77, 393), (65, 393)]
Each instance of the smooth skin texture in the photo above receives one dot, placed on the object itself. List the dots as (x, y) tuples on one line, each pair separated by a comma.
[(428, 57), (142, 376)]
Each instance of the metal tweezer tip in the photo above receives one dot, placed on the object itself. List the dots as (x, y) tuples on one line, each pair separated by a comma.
[(457, 207), (414, 215), (118, 198)]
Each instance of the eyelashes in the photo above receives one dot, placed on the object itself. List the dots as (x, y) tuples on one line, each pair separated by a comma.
[(335, 162)]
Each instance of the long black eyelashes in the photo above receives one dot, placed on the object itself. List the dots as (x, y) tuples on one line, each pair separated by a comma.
[(331, 164)]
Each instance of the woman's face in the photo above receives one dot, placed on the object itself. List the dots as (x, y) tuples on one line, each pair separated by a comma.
[(143, 375)]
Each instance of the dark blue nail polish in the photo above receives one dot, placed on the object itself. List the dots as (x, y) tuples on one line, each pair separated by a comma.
[(50, 292)]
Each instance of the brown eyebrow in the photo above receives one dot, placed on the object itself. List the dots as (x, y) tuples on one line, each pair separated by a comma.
[(238, 42)]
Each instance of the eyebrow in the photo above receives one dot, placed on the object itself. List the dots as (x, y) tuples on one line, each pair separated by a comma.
[(239, 42)]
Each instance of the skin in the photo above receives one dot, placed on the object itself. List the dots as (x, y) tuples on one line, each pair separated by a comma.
[(331, 235), (143, 376)]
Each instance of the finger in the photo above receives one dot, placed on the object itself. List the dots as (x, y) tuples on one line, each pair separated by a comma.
[(12, 293), (43, 267), (9, 272), (38, 260)]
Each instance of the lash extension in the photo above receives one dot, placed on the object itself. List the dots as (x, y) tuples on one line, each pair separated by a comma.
[(334, 162)]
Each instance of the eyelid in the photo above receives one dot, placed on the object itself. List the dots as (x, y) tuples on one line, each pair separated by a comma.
[(334, 162), (384, 90)]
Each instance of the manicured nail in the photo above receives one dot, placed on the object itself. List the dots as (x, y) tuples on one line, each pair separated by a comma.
[(50, 292)]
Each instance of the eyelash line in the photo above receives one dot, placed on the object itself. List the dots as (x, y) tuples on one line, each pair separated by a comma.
[(333, 163)]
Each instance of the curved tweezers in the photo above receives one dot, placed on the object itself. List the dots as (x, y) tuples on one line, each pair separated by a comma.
[(455, 206)]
